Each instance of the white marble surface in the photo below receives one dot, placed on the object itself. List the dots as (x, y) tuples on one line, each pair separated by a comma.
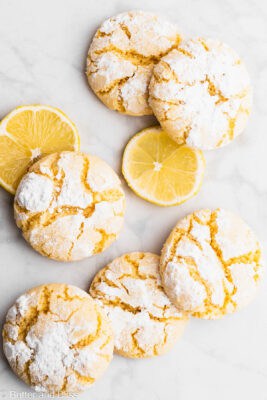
[(43, 46)]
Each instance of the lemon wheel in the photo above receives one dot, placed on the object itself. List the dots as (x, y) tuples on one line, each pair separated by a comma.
[(159, 170), (28, 133)]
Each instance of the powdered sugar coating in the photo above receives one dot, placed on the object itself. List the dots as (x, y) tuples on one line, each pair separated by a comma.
[(64, 341), (144, 322), (201, 93), (211, 264), (70, 206), (41, 189), (122, 55)]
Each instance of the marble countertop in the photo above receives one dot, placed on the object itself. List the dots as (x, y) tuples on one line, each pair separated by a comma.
[(43, 46)]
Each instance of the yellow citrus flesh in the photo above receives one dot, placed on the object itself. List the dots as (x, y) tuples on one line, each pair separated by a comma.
[(161, 171), (28, 133)]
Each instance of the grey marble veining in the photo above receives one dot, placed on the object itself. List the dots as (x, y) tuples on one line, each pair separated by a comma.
[(43, 46)]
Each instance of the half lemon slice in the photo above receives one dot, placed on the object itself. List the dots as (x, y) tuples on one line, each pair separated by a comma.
[(28, 133), (159, 170)]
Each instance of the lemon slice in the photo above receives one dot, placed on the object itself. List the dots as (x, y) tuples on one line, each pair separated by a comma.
[(159, 170), (28, 133)]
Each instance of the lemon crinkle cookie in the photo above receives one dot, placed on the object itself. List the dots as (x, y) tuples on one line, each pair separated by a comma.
[(144, 322), (122, 55), (69, 206), (201, 93), (57, 339), (211, 264)]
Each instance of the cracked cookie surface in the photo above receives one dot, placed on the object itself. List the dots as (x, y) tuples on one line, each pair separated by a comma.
[(211, 264), (122, 55), (70, 206), (201, 94), (144, 322), (57, 339)]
